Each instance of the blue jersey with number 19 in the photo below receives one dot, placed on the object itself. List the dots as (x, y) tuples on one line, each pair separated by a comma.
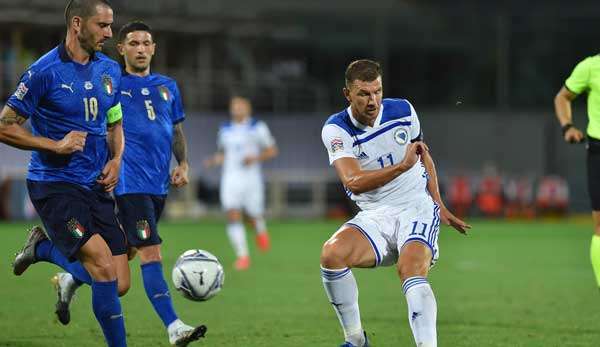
[(59, 95), (152, 106)]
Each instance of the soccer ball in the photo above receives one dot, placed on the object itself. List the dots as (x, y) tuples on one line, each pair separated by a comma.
[(198, 275)]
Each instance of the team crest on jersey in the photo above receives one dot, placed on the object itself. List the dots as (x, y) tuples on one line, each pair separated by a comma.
[(143, 229), (336, 144), (164, 93), (107, 84), (21, 91), (145, 91), (401, 136), (75, 228)]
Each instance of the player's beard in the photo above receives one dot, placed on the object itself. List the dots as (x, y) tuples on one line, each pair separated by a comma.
[(139, 68), (86, 41)]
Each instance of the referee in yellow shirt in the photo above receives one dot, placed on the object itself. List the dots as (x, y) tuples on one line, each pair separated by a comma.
[(585, 78)]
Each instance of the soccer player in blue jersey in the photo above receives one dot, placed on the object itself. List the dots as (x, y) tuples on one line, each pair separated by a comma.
[(71, 97), (153, 129)]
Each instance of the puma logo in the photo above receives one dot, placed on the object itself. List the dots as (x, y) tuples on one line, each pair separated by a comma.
[(127, 92), (67, 86)]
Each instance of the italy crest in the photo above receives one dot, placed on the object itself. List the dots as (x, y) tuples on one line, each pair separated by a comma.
[(107, 84)]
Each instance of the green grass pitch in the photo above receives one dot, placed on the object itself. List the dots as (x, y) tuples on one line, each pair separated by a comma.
[(506, 284)]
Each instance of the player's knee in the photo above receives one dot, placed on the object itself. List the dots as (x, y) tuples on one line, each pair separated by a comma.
[(332, 255), (410, 269), (102, 268), (123, 286), (234, 216), (150, 254)]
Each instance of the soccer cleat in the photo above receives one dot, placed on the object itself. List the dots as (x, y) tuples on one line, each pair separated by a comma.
[(184, 334), (65, 287), (26, 256), (263, 242), (366, 344), (242, 263)]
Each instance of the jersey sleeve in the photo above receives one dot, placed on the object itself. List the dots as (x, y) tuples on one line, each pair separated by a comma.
[(177, 113), (337, 142), (31, 89), (265, 139), (115, 112), (416, 134), (579, 80)]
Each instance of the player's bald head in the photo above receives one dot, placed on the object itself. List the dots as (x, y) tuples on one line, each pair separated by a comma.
[(362, 70), (83, 9)]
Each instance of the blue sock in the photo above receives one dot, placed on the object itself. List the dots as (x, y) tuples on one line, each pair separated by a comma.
[(45, 251), (80, 274), (158, 292), (107, 309)]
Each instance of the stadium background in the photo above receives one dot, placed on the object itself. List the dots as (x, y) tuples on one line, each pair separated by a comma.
[(482, 76)]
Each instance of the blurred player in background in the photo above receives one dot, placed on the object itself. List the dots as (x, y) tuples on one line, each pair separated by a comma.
[(376, 148), (71, 95), (243, 144), (585, 78), (153, 128)]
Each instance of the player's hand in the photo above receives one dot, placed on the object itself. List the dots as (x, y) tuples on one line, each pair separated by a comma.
[(74, 141), (179, 176), (573, 135), (249, 160), (110, 175), (413, 150), (449, 219)]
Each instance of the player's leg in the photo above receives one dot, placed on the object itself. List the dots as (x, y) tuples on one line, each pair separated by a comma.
[(593, 168), (96, 257), (416, 255), (139, 215), (349, 247), (413, 267), (595, 246), (157, 290), (254, 205), (39, 248), (232, 198)]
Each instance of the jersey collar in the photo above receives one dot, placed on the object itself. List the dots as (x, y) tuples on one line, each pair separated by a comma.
[(64, 55), (362, 126)]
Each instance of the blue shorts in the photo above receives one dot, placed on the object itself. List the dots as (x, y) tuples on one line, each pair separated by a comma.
[(71, 214), (139, 215)]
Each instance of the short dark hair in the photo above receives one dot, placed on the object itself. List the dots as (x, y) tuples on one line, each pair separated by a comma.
[(243, 93), (362, 70), (83, 8), (130, 27)]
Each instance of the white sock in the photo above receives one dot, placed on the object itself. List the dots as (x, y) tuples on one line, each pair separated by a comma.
[(342, 292), (237, 237), (422, 310), (260, 225)]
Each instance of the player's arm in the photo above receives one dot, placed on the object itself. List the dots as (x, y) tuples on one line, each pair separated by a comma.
[(214, 160), (434, 190), (116, 144), (267, 153), (14, 134), (563, 110), (358, 181), (179, 176)]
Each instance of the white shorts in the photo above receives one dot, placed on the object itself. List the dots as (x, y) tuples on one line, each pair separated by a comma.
[(389, 229), (243, 194)]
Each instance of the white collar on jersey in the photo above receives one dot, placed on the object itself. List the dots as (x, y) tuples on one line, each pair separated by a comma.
[(362, 126)]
